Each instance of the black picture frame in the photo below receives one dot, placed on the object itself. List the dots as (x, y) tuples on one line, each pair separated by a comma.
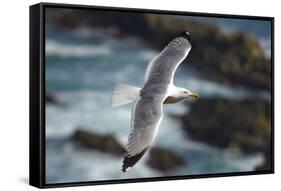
[(37, 95)]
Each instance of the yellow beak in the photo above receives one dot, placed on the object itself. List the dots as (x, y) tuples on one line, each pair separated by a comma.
[(195, 95)]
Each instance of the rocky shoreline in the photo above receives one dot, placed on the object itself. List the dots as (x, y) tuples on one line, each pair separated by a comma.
[(51, 99), (161, 159), (229, 124), (234, 59), (103, 143)]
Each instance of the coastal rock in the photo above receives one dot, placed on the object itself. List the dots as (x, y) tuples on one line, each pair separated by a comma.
[(164, 160), (267, 164), (245, 125), (161, 159), (229, 58), (104, 143), (51, 99), (234, 59)]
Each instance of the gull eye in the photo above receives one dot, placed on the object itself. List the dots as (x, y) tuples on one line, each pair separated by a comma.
[(185, 92)]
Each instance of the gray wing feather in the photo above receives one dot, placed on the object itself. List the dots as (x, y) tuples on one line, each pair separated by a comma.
[(147, 111), (146, 118), (162, 68)]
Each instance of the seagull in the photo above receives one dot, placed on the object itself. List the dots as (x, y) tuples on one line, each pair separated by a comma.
[(158, 89)]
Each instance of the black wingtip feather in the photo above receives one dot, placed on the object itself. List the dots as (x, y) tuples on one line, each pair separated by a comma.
[(185, 35), (130, 161)]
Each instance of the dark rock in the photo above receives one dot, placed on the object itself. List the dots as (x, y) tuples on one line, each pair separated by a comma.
[(164, 160), (229, 58), (161, 159), (104, 143), (51, 99), (245, 125), (267, 164)]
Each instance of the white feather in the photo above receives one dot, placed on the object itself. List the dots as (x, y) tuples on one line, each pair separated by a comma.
[(124, 94)]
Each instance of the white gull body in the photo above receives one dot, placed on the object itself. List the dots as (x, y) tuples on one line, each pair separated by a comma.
[(158, 89)]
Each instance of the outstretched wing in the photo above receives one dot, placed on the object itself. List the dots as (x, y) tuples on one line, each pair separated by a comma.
[(147, 112), (146, 117), (162, 68)]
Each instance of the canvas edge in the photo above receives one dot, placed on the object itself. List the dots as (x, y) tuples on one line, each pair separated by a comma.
[(35, 97), (39, 106)]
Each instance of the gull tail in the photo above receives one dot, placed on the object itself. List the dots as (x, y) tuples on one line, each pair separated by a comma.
[(123, 94)]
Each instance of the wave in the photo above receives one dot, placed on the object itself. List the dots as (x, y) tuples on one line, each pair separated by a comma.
[(91, 110), (85, 97), (148, 54), (88, 164), (55, 48), (87, 32), (265, 44), (209, 89)]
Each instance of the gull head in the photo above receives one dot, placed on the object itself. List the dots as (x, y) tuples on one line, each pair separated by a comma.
[(187, 93)]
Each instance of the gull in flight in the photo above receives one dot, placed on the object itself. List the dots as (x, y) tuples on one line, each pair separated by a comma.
[(158, 89)]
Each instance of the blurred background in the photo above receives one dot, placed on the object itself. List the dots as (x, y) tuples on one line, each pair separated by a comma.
[(88, 51)]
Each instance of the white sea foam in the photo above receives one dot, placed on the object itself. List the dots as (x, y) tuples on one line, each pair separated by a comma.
[(54, 48), (86, 104), (148, 55), (210, 89), (87, 32), (265, 44)]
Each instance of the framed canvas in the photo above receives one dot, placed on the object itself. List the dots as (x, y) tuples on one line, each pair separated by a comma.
[(121, 95)]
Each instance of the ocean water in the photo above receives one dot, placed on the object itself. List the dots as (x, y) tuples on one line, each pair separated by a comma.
[(82, 67)]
